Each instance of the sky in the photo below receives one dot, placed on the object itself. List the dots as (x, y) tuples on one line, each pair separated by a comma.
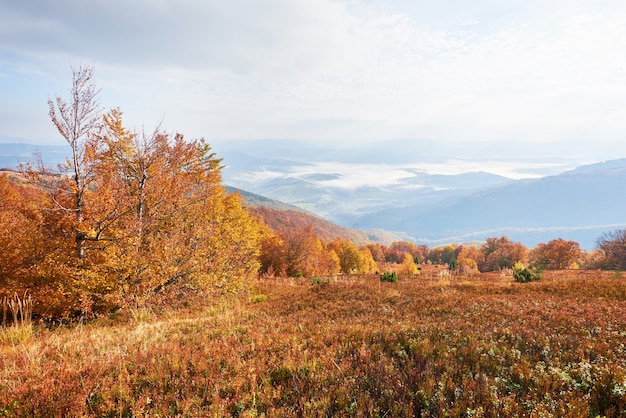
[(348, 71)]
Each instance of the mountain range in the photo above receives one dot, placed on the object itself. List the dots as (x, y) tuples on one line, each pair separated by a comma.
[(14, 153), (578, 204), (433, 202)]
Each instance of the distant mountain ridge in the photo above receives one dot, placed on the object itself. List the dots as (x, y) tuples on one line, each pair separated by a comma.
[(579, 204), (326, 190), (14, 153)]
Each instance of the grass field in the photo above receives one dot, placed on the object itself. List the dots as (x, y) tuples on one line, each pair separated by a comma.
[(352, 346)]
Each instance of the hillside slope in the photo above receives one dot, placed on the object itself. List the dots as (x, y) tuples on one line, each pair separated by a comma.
[(281, 217)]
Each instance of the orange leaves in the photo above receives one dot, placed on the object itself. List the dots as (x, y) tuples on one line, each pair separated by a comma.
[(501, 253), (557, 254), (467, 260), (176, 220), (297, 252), (154, 214), (352, 347), (131, 213)]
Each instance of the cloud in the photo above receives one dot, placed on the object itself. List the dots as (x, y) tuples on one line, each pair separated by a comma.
[(340, 70), (243, 37)]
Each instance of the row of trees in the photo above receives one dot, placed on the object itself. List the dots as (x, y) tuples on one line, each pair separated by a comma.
[(300, 253)]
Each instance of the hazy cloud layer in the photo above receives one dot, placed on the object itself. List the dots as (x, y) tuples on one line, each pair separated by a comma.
[(349, 70)]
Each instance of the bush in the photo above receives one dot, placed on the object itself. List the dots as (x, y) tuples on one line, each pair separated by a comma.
[(259, 298), (390, 277), (523, 274)]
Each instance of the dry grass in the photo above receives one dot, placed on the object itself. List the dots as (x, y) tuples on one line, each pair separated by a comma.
[(463, 346), (19, 311)]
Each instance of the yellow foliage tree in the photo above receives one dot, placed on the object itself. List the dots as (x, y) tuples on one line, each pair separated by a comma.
[(467, 260), (408, 266), (350, 257), (367, 264)]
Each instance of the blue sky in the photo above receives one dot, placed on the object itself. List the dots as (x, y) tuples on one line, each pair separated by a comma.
[(356, 70)]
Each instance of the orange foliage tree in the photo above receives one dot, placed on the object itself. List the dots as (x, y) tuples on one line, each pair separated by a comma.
[(297, 252), (501, 253), (468, 259), (137, 212), (21, 234), (557, 254), (271, 256), (378, 252), (397, 250)]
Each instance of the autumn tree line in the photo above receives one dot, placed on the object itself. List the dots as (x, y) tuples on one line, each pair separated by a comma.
[(300, 253), (133, 214)]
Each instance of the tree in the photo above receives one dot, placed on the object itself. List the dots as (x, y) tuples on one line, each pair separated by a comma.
[(408, 266), (395, 253), (78, 121), (449, 256), (378, 252), (35, 248), (271, 256), (133, 213), (444, 255), (468, 258), (20, 235), (613, 246), (303, 253), (367, 264), (557, 254), (501, 253), (168, 214), (350, 257)]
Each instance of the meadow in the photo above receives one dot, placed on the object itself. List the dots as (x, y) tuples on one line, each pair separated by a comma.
[(427, 346)]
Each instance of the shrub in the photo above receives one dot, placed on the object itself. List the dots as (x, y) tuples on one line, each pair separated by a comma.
[(522, 274), (389, 277), (316, 281), (259, 298)]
